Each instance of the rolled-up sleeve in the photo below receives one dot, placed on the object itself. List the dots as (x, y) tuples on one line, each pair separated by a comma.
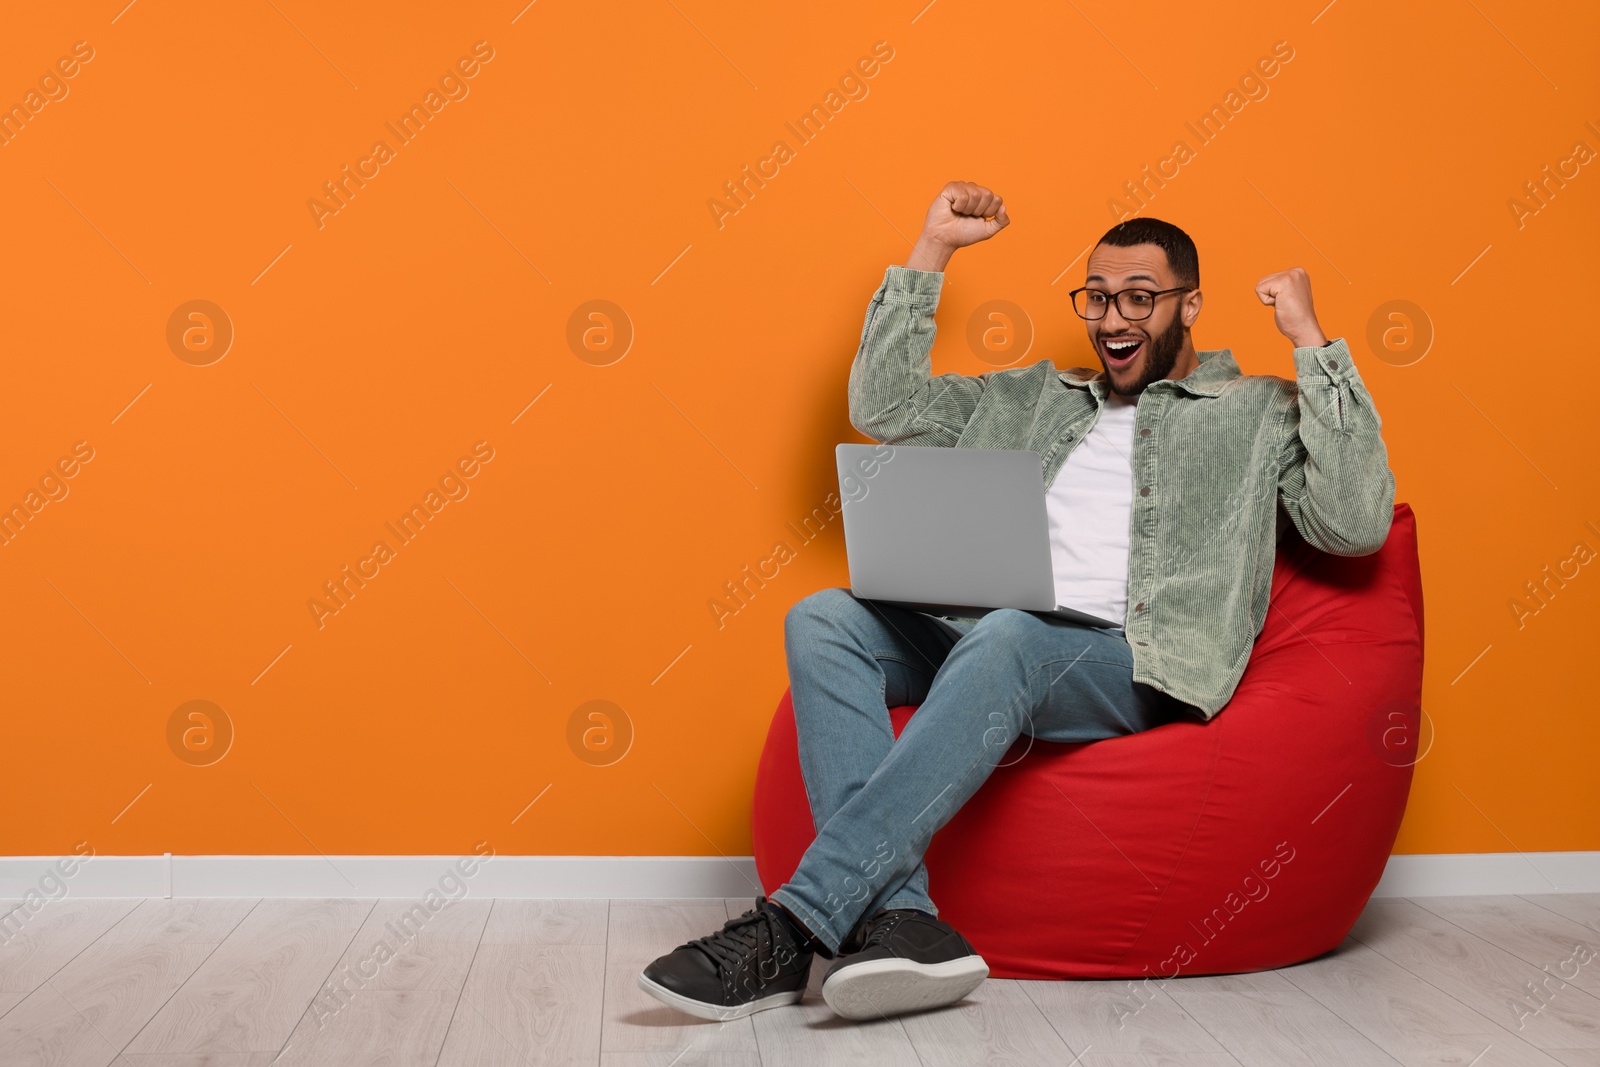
[(1334, 479), (894, 397)]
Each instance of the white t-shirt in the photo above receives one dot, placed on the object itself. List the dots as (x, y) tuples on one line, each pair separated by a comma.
[(1089, 506)]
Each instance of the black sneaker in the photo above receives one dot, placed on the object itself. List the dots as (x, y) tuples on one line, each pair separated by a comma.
[(903, 960), (755, 962)]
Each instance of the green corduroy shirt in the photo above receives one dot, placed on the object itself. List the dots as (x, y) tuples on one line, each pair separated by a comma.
[(1221, 462)]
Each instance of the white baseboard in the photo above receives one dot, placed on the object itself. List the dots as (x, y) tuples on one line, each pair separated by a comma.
[(622, 877), (1490, 874), (615, 877)]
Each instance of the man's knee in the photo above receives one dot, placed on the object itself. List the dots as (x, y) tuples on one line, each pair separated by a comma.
[(1004, 627), (1007, 644), (826, 608)]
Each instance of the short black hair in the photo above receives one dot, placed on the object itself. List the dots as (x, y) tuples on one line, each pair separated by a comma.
[(1182, 256)]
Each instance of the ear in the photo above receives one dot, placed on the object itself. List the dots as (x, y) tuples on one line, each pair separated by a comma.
[(1191, 307)]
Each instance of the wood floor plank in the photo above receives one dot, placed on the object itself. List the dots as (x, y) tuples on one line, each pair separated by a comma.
[(401, 945), (636, 1022), (810, 1033), (547, 922), (10, 998), (1577, 1057), (1409, 1019), (1120, 1018), (1166, 1059), (45, 1030), (249, 995), (102, 997), (529, 1005), (997, 1024), (41, 942), (219, 1059), (207, 920), (90, 1009), (389, 1027), (1535, 935), (688, 1057), (1579, 907), (1488, 979), (1263, 1021)]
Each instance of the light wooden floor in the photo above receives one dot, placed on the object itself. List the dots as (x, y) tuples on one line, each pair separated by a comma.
[(231, 983)]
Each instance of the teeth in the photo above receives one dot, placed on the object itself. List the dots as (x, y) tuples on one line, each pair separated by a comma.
[(1118, 346)]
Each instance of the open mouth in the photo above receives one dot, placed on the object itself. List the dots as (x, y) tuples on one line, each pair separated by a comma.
[(1120, 351)]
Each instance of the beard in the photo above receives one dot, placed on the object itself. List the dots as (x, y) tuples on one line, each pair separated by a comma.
[(1161, 355)]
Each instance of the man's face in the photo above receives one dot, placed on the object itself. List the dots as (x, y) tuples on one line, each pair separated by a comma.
[(1157, 341)]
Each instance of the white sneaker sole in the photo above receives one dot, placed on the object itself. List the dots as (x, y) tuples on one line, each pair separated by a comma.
[(717, 1012), (876, 988)]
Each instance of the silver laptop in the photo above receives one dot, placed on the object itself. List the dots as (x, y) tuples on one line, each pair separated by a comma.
[(949, 531)]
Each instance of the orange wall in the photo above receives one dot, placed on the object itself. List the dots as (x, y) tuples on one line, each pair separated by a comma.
[(376, 346)]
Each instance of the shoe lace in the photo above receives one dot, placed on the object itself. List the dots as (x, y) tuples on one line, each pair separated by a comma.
[(757, 931)]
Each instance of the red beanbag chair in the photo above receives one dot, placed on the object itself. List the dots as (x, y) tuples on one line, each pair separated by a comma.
[(1248, 842)]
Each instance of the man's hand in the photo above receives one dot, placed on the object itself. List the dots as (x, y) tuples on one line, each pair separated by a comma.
[(1288, 293), (962, 214)]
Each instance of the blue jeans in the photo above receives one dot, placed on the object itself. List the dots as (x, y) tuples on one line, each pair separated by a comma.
[(980, 685)]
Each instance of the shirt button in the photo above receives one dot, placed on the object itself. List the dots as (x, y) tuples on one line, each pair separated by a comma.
[(1138, 607), (1145, 491), (1146, 643), (1145, 432), (1333, 364)]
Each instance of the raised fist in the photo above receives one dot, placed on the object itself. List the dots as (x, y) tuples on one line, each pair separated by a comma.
[(963, 214), (1288, 294)]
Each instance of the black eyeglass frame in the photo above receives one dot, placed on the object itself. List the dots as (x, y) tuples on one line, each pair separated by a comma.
[(1116, 298)]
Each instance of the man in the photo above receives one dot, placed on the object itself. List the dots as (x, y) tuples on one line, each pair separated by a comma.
[(1182, 475)]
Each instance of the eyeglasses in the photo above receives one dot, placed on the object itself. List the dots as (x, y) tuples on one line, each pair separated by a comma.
[(1132, 304)]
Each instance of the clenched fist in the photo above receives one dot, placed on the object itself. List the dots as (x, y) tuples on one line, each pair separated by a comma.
[(1288, 293), (962, 214)]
